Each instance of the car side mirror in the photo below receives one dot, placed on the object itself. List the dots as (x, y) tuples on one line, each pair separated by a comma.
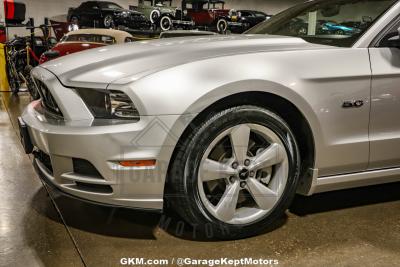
[(51, 54), (391, 40)]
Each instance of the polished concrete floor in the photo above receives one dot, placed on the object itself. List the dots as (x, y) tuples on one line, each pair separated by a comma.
[(358, 227)]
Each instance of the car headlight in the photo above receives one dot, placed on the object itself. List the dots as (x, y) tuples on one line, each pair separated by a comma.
[(124, 14), (109, 104)]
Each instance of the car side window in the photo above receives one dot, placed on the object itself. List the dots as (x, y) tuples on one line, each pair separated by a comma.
[(391, 30), (129, 40), (86, 5), (246, 14)]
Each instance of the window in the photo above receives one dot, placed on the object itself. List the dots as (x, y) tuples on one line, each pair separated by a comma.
[(214, 5), (87, 5), (164, 2), (259, 14), (109, 5), (129, 40), (390, 35), (89, 38), (330, 22), (246, 14)]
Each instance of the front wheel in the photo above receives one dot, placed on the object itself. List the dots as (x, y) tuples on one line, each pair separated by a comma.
[(222, 25), (236, 173), (166, 23), (13, 80), (108, 21)]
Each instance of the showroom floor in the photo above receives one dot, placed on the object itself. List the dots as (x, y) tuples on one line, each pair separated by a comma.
[(358, 227)]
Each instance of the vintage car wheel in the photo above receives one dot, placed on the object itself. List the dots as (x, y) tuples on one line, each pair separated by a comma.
[(154, 16), (108, 21), (222, 25), (236, 173), (166, 23)]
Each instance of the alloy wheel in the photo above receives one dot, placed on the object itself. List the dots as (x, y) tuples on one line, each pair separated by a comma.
[(243, 174)]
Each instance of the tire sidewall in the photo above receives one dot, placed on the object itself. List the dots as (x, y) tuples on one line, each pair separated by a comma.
[(219, 23), (207, 134), (112, 23), (161, 23)]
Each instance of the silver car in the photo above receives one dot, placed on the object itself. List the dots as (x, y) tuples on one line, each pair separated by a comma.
[(226, 129)]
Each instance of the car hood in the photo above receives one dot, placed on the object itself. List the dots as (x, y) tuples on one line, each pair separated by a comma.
[(123, 63)]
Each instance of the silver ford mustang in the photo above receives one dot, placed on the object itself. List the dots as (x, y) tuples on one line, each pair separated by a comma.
[(226, 129)]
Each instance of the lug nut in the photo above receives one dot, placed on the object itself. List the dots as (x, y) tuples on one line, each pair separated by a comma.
[(247, 162), (235, 165), (252, 173), (243, 184), (232, 179)]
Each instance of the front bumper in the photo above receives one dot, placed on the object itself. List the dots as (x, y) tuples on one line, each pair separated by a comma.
[(103, 147), (78, 138)]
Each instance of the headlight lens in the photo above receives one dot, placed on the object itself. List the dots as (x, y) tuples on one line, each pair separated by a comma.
[(109, 104), (124, 14)]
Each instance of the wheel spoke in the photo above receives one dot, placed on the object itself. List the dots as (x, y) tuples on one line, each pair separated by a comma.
[(271, 156), (262, 195), (213, 170), (240, 137), (226, 207)]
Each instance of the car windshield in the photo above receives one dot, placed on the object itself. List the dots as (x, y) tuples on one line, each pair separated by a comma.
[(260, 14), (163, 3), (331, 22), (109, 5), (89, 38), (214, 5)]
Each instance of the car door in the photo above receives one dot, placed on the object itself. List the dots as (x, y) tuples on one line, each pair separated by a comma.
[(385, 102)]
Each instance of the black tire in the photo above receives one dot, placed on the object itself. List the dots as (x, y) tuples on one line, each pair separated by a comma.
[(108, 21), (182, 186), (339, 32), (30, 83), (222, 25), (13, 82), (166, 23)]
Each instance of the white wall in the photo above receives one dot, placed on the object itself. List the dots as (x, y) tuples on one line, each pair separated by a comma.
[(38, 9)]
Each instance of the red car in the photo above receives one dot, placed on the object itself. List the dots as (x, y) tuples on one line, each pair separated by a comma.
[(81, 40), (3, 37), (211, 14)]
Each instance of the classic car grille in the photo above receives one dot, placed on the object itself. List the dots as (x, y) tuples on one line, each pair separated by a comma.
[(48, 101)]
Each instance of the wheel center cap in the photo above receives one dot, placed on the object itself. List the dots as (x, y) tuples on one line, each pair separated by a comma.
[(244, 174)]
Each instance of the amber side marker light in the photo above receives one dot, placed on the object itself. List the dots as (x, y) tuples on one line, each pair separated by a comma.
[(138, 163)]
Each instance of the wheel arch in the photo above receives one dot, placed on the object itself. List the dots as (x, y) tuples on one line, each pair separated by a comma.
[(281, 106)]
